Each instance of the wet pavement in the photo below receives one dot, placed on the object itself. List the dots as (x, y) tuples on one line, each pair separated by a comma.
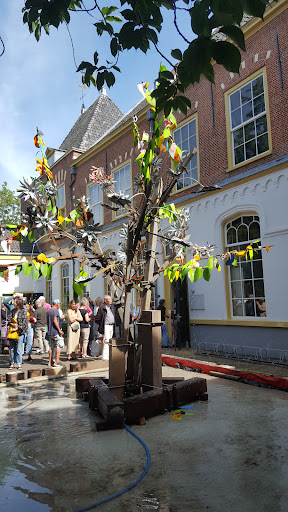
[(229, 453)]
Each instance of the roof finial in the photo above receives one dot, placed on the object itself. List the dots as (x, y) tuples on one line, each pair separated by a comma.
[(104, 91), (82, 98)]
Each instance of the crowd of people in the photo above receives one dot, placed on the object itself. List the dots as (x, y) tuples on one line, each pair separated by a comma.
[(90, 326)]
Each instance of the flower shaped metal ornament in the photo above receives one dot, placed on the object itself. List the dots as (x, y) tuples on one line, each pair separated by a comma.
[(98, 175), (181, 241), (119, 198), (46, 222), (50, 189), (88, 234), (29, 217), (83, 202), (84, 279), (30, 189)]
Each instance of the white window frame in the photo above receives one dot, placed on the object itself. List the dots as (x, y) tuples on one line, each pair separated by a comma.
[(61, 201), (192, 167), (244, 284), (65, 284), (96, 218), (253, 119), (49, 291), (119, 188)]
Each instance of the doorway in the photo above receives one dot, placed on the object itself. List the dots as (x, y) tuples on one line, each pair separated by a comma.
[(179, 303)]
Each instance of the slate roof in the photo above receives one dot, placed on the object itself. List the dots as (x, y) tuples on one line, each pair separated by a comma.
[(24, 247), (133, 111), (92, 124)]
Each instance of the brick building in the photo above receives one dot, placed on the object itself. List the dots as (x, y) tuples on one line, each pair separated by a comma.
[(239, 126)]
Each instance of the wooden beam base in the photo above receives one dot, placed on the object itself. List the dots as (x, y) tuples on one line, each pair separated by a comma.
[(88, 365), (37, 372), (15, 375), (136, 408)]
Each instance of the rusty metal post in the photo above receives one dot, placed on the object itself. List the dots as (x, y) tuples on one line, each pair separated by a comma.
[(117, 366), (149, 329)]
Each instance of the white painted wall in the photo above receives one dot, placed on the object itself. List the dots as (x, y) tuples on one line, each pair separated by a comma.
[(266, 195)]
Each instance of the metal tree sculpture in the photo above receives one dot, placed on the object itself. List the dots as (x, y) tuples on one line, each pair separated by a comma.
[(123, 270)]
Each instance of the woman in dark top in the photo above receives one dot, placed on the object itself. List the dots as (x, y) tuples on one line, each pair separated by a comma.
[(19, 315), (84, 328)]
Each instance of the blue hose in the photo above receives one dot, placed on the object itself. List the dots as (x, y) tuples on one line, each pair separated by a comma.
[(130, 486)]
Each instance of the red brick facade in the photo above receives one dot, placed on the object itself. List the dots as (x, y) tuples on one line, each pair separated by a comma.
[(261, 51)]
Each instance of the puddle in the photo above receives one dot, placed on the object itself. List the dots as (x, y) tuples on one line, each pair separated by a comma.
[(228, 453)]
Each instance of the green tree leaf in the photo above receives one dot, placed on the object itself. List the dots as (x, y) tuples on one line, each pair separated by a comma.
[(35, 272), (176, 54), (210, 263), (25, 266), (206, 273), (78, 288), (18, 269), (198, 273), (44, 269), (199, 19), (49, 271), (226, 54), (31, 236), (235, 34)]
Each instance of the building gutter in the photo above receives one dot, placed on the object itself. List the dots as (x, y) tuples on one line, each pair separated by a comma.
[(73, 172)]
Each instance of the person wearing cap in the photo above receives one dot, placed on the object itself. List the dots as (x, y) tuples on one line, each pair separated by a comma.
[(54, 332)]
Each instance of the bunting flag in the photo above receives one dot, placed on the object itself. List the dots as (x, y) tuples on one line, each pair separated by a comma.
[(42, 165)]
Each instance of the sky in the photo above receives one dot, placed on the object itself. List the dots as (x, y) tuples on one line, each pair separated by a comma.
[(39, 85)]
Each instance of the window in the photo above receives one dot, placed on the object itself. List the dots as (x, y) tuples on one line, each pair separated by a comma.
[(60, 200), (65, 286), (248, 121), (246, 280), (49, 291), (123, 184), (95, 200), (185, 138), (168, 246)]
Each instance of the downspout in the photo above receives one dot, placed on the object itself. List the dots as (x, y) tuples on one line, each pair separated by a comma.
[(73, 172)]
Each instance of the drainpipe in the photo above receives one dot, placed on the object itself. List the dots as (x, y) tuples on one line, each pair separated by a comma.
[(73, 172)]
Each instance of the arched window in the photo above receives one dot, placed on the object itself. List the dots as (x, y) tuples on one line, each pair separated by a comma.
[(65, 285), (246, 279)]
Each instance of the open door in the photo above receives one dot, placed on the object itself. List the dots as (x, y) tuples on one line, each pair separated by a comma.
[(180, 305)]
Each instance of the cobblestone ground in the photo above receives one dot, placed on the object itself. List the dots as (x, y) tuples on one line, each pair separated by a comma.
[(275, 369)]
